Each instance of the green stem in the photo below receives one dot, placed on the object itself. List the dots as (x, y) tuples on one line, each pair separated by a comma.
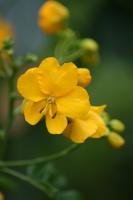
[(10, 76), (39, 160), (47, 188), (11, 103), (5, 66), (74, 56)]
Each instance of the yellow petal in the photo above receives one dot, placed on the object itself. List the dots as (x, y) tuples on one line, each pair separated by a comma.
[(79, 130), (101, 131), (28, 86), (57, 124), (57, 81), (75, 104), (33, 112), (98, 109), (49, 64)]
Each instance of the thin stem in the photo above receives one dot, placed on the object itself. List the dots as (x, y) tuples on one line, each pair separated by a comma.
[(74, 56), (11, 103), (47, 188), (39, 160), (5, 66)]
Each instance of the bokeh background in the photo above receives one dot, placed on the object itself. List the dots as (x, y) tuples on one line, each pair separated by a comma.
[(96, 170)]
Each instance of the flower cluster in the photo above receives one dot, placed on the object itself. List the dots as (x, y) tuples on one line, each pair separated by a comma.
[(56, 92)]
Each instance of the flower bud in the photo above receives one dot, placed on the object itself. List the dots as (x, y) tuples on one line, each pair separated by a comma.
[(89, 45), (115, 140), (105, 117), (52, 16), (31, 58), (91, 48), (84, 77), (117, 125), (5, 31)]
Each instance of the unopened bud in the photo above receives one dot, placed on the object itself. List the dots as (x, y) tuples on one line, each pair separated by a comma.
[(115, 140), (105, 117), (8, 43), (89, 45), (84, 77), (31, 58), (117, 125)]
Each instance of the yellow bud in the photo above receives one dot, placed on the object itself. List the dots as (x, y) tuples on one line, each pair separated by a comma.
[(117, 125), (84, 77), (52, 16), (5, 31), (115, 140), (91, 48), (105, 117), (1, 196), (89, 45)]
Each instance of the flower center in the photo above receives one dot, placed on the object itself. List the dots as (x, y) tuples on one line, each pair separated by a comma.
[(50, 100)]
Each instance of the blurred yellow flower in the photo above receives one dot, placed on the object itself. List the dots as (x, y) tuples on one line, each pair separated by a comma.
[(52, 90), (115, 140), (52, 16), (84, 77), (80, 129), (5, 31), (1, 196)]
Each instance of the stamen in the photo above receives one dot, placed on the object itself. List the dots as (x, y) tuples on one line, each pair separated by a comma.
[(51, 99), (41, 110)]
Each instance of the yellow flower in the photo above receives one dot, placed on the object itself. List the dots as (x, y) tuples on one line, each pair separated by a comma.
[(84, 77), (5, 31), (80, 129), (52, 90), (115, 139), (52, 16), (1, 196)]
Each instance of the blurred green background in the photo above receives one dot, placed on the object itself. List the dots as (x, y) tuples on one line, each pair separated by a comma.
[(96, 170)]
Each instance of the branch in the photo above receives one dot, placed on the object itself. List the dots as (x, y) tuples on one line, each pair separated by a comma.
[(47, 188), (39, 160)]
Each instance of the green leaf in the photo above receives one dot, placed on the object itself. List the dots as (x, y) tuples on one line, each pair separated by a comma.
[(47, 174), (7, 183), (69, 195)]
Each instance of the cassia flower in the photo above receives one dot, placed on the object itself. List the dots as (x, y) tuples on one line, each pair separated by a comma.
[(52, 16), (5, 31), (52, 90), (91, 126)]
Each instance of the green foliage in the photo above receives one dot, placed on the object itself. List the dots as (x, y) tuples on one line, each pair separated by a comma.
[(69, 195), (7, 183), (47, 174)]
